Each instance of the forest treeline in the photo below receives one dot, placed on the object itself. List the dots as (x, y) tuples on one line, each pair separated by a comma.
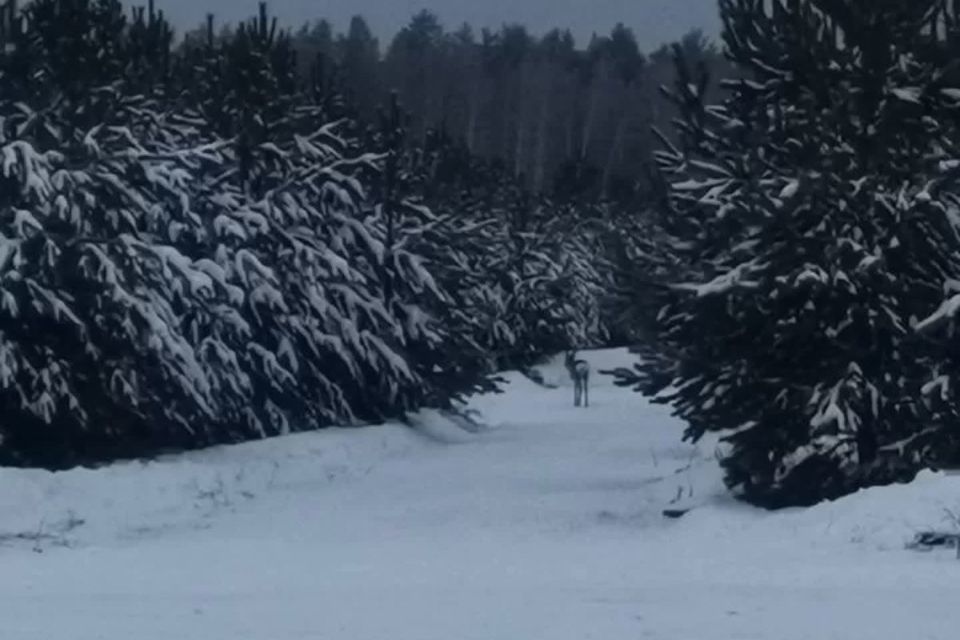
[(562, 117)]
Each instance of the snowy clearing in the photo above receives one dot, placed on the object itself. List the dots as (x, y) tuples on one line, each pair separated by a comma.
[(546, 524)]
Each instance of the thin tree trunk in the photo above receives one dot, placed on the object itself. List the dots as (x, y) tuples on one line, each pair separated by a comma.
[(539, 173), (615, 147), (588, 122), (473, 117)]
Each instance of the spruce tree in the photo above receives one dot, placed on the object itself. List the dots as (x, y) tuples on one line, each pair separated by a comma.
[(284, 195), (443, 243), (97, 362), (809, 236)]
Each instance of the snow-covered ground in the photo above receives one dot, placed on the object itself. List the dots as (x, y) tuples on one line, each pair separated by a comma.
[(547, 524)]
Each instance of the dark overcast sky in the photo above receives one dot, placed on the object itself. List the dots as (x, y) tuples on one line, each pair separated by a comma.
[(654, 21)]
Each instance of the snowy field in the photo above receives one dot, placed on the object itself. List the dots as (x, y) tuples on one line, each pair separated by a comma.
[(546, 524)]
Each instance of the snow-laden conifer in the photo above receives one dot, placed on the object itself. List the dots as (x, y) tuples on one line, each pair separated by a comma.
[(812, 233)]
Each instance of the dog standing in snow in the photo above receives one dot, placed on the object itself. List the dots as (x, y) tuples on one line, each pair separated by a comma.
[(580, 374)]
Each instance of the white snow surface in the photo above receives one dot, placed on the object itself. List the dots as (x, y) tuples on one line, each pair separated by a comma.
[(546, 523)]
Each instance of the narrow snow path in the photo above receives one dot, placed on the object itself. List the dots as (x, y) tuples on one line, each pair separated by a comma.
[(548, 525)]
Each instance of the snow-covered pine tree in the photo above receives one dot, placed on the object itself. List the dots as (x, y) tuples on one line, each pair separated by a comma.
[(460, 245), (802, 211), (636, 261), (545, 274), (523, 270), (401, 283), (149, 54), (327, 347), (939, 442), (421, 255), (580, 283), (96, 360), (316, 324)]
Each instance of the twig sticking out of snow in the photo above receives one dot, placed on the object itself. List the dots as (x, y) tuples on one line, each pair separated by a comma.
[(36, 540)]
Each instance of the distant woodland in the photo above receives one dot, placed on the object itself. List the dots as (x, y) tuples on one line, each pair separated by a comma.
[(563, 118)]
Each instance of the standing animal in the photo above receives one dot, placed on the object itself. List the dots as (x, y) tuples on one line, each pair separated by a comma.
[(579, 371)]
